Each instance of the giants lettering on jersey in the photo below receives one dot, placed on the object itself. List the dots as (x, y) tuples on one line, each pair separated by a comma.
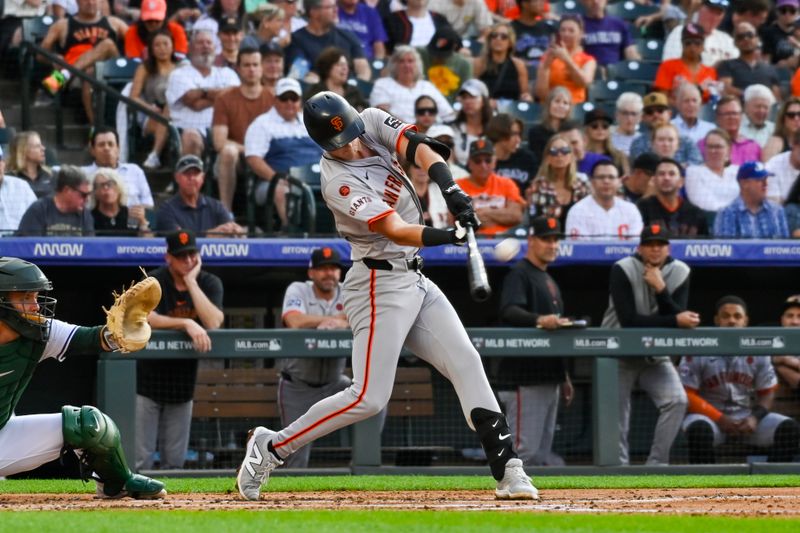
[(733, 378), (90, 35), (358, 204), (392, 188)]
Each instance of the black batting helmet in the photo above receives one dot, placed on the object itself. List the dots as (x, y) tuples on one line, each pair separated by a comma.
[(331, 121)]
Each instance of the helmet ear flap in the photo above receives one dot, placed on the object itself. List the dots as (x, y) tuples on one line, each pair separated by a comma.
[(331, 121)]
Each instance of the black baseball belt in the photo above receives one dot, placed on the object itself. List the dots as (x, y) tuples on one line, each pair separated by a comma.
[(414, 263)]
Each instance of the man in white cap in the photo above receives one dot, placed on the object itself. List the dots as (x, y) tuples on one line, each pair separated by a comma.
[(277, 140)]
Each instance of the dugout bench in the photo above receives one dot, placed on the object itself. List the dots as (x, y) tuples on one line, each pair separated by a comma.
[(252, 393)]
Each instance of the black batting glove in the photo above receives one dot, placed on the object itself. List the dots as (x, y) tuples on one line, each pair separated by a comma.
[(457, 200), (468, 218)]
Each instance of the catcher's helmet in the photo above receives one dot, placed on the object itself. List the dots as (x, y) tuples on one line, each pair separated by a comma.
[(331, 121), (17, 275)]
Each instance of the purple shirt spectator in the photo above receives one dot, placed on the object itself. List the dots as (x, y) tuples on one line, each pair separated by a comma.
[(606, 39), (367, 25), (589, 159), (742, 150)]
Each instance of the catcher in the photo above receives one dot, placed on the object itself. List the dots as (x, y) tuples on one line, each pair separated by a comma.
[(29, 334)]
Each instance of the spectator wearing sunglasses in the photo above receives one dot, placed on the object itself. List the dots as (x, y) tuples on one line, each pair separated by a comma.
[(496, 199), (505, 76), (788, 366), (786, 124), (277, 141), (597, 131), (64, 213), (777, 47), (656, 111), (749, 68), (718, 45), (513, 160), (426, 113), (558, 185), (672, 74), (785, 168)]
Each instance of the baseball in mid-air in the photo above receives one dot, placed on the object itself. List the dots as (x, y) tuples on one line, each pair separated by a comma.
[(507, 249)]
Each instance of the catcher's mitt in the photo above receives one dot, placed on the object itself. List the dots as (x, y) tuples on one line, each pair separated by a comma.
[(126, 327)]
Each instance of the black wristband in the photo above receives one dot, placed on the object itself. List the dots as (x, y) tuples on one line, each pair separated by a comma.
[(759, 411), (437, 237), (440, 174)]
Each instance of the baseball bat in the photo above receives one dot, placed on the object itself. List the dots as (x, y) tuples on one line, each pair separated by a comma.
[(478, 280)]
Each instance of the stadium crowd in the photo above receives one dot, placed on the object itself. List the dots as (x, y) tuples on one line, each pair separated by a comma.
[(555, 90)]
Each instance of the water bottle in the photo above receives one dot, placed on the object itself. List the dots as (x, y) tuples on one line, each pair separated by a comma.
[(299, 69)]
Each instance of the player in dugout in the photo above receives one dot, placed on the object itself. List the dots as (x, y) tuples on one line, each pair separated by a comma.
[(730, 398), (389, 303), (29, 335)]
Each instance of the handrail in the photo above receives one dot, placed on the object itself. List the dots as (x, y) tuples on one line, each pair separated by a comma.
[(31, 49)]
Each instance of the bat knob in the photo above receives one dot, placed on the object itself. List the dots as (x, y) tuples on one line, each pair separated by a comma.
[(481, 294)]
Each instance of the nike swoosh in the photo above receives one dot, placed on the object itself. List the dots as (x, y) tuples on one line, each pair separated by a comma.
[(504, 437), (495, 423), (500, 453), (6, 373)]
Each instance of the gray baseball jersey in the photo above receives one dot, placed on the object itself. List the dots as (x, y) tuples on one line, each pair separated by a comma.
[(386, 309), (729, 383), (362, 192), (301, 298)]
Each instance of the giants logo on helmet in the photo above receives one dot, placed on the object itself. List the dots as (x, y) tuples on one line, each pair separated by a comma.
[(337, 123)]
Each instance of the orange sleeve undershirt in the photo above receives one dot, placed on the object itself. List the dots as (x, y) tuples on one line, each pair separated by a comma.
[(701, 407)]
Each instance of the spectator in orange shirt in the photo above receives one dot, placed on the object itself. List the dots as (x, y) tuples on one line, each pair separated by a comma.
[(565, 63), (496, 199), (796, 83), (153, 19), (689, 67)]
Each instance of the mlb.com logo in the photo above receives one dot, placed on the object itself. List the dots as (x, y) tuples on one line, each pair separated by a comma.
[(56, 249)]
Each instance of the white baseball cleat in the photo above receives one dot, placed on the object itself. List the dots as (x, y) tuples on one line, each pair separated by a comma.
[(515, 485), (258, 463)]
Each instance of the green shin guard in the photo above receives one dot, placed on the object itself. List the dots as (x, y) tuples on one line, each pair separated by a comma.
[(90, 430)]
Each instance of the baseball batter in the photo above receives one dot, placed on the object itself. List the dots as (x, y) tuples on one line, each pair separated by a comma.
[(28, 336), (389, 303), (731, 397)]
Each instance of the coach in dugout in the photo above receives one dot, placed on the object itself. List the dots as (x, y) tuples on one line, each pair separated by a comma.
[(730, 397), (650, 289)]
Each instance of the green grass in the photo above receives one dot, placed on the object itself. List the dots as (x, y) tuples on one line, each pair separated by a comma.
[(373, 521), (334, 483)]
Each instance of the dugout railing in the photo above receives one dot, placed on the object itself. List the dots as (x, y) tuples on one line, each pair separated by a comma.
[(116, 382)]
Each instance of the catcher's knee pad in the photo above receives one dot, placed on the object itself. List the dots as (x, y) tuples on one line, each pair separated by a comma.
[(495, 437), (88, 428)]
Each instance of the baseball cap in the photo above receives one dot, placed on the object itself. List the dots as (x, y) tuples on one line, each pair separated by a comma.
[(230, 24), (189, 161), (153, 10), (545, 227), (286, 85), (475, 87), (719, 4), (441, 130), (793, 3), (596, 114), (325, 256), (655, 99), (444, 41), (791, 301), (647, 161), (654, 233), (270, 48), (481, 147), (753, 170), (692, 31), (181, 241)]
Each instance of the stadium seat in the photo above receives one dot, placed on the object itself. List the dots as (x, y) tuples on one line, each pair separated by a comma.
[(567, 7), (6, 134), (364, 86), (474, 45), (708, 113), (609, 90), (35, 28), (300, 206), (580, 110), (633, 71), (630, 10), (527, 112), (310, 175), (651, 50), (117, 73)]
